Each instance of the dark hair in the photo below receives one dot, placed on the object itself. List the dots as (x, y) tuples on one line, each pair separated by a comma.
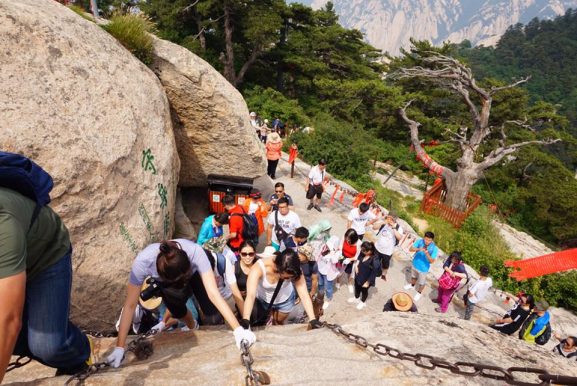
[(457, 255), (322, 161), (221, 218), (364, 207), (302, 233), (282, 200), (247, 243), (370, 246), (430, 235), (172, 263), (228, 199), (530, 301), (484, 270), (351, 236), (288, 262), (573, 339), (279, 185)]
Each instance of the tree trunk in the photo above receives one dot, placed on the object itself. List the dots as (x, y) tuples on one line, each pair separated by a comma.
[(228, 63), (459, 184), (201, 36)]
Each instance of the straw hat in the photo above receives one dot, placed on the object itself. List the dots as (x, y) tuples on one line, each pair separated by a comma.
[(152, 303), (268, 252), (274, 138), (402, 301), (307, 251)]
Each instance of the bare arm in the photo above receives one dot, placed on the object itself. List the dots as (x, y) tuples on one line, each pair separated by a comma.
[(12, 292), (349, 223), (237, 296), (251, 283), (132, 294), (209, 284), (268, 234), (314, 284), (301, 287)]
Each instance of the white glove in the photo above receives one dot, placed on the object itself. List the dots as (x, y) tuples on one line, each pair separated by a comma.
[(116, 357), (346, 261), (159, 327), (241, 334)]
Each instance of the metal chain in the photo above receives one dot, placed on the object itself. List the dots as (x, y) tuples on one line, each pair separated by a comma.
[(141, 347), (19, 362), (468, 369), (253, 377)]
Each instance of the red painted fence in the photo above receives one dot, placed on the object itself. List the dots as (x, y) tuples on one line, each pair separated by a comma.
[(433, 203)]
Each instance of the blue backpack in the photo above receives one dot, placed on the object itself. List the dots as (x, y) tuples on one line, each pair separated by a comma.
[(22, 175)]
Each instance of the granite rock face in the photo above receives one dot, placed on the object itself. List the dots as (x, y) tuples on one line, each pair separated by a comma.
[(97, 119)]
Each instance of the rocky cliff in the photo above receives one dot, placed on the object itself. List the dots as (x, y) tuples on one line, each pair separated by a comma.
[(388, 24)]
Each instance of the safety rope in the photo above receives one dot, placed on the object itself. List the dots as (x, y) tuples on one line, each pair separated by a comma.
[(468, 369)]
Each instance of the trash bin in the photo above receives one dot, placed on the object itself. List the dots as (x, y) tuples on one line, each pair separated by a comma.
[(218, 186)]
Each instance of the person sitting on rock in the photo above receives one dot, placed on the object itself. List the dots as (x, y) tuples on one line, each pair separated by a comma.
[(365, 272), (175, 264), (401, 302), (212, 227), (277, 270), (537, 327), (516, 316), (567, 347)]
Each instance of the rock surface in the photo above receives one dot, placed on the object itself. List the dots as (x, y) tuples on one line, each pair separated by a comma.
[(97, 119), (210, 118), (521, 243)]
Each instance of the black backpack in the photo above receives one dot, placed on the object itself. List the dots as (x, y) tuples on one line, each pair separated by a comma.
[(249, 226), (539, 339), (280, 233)]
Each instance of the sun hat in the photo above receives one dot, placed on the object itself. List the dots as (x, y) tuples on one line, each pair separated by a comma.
[(307, 251), (402, 301), (152, 303), (253, 114), (274, 138), (268, 252)]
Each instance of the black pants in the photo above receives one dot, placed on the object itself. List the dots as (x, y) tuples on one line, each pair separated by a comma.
[(271, 169), (385, 260), (175, 300), (361, 291)]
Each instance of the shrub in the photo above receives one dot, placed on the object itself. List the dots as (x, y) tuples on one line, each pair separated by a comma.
[(132, 31)]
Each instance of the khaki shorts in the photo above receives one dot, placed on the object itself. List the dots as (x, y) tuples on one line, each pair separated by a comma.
[(420, 276)]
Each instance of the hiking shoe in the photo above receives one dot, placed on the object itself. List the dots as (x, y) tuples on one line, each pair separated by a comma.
[(310, 207), (352, 300), (318, 208), (408, 286), (435, 300), (417, 297), (326, 305), (439, 310), (351, 289), (361, 305), (384, 277)]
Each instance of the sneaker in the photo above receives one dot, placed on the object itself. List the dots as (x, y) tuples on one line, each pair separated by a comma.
[(318, 208), (337, 285), (326, 305), (352, 300), (361, 305), (351, 289), (435, 301), (439, 310), (408, 286), (310, 207), (384, 277), (417, 297)]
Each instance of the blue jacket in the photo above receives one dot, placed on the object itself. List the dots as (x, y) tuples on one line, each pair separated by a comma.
[(208, 230)]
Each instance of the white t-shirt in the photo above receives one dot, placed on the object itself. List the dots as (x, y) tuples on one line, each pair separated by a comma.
[(252, 207), (316, 176), (359, 221), (385, 243), (480, 289), (289, 223)]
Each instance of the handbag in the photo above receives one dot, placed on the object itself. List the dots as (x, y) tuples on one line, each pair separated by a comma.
[(448, 282)]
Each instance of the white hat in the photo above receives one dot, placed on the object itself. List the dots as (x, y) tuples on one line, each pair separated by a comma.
[(268, 252), (253, 114)]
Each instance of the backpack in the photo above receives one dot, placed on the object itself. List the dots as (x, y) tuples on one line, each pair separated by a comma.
[(220, 262), (280, 233), (540, 339), (249, 226), (22, 175)]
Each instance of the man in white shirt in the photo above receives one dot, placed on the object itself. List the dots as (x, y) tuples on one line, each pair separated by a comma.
[(359, 218), (478, 291), (387, 238), (314, 184), (281, 224)]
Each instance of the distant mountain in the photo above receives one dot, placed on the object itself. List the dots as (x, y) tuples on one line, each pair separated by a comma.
[(388, 24)]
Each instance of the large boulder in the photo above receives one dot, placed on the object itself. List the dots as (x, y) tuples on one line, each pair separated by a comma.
[(210, 118), (97, 119)]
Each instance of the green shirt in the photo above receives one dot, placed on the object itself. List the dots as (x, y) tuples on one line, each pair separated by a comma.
[(32, 250)]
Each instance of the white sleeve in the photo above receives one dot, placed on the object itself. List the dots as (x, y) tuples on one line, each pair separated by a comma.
[(311, 174), (350, 217), (229, 273), (372, 216), (270, 219), (297, 221)]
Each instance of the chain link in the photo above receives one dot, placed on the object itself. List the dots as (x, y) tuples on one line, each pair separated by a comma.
[(468, 369), (253, 377), (19, 362)]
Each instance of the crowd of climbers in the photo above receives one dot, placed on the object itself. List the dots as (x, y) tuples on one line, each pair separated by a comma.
[(220, 278)]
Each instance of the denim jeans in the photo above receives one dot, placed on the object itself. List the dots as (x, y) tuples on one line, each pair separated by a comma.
[(326, 286), (47, 335)]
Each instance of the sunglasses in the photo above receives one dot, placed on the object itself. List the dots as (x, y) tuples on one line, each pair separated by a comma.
[(244, 254), (279, 191)]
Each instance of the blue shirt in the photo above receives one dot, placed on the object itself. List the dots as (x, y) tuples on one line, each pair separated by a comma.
[(208, 230), (420, 260)]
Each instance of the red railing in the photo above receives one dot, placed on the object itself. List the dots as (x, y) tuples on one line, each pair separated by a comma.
[(433, 203)]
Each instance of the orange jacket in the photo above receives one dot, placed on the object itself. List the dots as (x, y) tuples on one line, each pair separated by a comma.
[(273, 151), (261, 213)]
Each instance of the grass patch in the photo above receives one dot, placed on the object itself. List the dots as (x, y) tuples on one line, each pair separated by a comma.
[(133, 32), (81, 12)]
